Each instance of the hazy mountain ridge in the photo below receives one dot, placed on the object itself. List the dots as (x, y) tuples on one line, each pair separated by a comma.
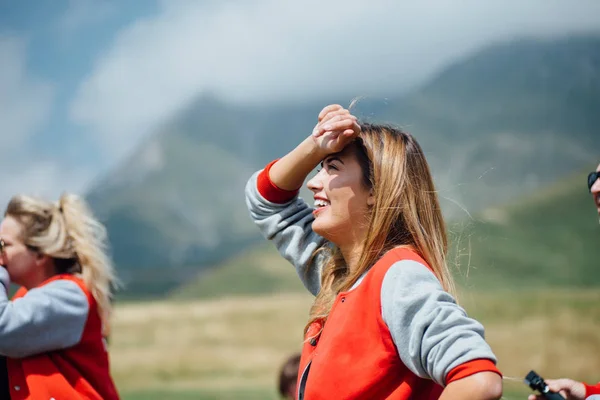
[(496, 125), (547, 239)]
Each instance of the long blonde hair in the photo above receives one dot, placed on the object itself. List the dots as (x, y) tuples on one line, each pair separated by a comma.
[(67, 232), (406, 213)]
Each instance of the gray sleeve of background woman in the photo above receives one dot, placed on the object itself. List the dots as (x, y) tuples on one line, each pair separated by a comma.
[(47, 318), (431, 332), (289, 226)]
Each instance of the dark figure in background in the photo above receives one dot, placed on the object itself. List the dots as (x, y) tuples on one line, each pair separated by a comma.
[(288, 377)]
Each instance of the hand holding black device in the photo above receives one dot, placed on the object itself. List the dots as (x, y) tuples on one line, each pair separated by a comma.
[(536, 382)]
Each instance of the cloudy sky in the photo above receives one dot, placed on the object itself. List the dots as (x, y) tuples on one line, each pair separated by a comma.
[(82, 81)]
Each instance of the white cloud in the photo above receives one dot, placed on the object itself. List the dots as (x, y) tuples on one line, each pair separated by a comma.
[(272, 50), (25, 105), (44, 178)]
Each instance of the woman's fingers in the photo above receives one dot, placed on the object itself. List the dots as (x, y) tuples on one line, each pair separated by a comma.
[(339, 124), (334, 117), (335, 122), (338, 114), (328, 109)]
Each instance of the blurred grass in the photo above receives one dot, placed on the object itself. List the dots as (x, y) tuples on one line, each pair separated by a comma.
[(235, 394), (512, 391), (232, 348), (215, 344), (554, 332)]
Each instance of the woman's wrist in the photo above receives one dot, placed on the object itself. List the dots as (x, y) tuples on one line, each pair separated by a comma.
[(312, 151), (290, 171)]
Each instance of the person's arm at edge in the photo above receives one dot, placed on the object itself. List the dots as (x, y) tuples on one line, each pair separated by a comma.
[(484, 385)]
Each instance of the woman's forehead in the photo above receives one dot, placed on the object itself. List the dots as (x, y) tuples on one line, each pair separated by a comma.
[(345, 153), (9, 228)]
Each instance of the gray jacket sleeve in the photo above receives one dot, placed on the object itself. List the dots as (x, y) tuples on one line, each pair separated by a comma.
[(50, 317), (289, 226), (431, 332)]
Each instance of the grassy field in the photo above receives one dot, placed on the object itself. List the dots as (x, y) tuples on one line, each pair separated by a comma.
[(206, 348), (232, 348)]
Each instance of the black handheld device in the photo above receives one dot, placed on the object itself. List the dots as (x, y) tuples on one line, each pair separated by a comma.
[(536, 382)]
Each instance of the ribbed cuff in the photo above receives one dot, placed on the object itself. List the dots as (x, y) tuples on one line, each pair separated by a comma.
[(590, 390), (270, 191), (470, 368)]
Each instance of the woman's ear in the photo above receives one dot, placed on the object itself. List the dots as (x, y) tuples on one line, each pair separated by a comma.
[(41, 258), (371, 198)]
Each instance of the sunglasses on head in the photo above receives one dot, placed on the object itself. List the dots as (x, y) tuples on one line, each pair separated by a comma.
[(592, 178)]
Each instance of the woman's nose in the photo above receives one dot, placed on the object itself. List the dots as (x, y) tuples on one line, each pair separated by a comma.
[(315, 183)]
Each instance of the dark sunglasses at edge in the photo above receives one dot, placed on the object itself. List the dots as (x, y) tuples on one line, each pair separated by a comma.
[(592, 178)]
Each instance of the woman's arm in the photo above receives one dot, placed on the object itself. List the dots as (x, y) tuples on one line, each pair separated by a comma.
[(433, 335), (288, 224), (47, 318), (290, 171), (480, 386), (272, 196), (335, 129)]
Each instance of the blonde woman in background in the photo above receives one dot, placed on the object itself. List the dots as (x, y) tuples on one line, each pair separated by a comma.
[(52, 332)]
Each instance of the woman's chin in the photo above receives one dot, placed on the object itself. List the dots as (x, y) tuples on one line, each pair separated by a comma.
[(320, 227), (316, 227), (325, 230)]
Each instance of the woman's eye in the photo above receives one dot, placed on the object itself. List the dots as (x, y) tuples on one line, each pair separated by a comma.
[(332, 166)]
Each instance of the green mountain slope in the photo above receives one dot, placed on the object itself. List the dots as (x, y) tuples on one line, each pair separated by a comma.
[(549, 239), (259, 270)]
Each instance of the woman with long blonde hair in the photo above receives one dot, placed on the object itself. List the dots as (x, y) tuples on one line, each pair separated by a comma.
[(52, 331), (384, 323)]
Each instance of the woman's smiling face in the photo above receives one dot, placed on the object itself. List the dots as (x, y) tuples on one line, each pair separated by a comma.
[(342, 200)]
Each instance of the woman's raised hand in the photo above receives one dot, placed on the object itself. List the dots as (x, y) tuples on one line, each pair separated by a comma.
[(335, 129)]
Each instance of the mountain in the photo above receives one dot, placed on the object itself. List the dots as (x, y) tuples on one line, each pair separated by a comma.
[(495, 126), (548, 239), (258, 270), (508, 119)]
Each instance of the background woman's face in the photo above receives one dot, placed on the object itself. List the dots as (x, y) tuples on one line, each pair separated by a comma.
[(17, 258)]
